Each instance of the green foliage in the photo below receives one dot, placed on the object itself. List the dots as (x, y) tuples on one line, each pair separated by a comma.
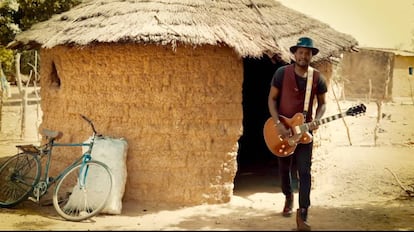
[(8, 26), (6, 59), (28, 57), (33, 11), (20, 15)]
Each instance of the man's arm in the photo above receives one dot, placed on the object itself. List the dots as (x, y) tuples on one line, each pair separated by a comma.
[(320, 110), (272, 105)]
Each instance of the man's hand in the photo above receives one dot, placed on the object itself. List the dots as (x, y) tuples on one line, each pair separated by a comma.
[(313, 126), (282, 130)]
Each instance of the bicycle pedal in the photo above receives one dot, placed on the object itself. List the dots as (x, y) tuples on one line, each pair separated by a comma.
[(33, 199)]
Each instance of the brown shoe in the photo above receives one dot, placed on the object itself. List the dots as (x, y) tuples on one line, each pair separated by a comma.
[(301, 220), (287, 209)]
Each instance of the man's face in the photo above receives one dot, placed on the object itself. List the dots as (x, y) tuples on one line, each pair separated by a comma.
[(303, 56)]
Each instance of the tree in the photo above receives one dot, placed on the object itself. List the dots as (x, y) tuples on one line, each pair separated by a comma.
[(20, 15), (17, 16), (8, 30), (33, 11)]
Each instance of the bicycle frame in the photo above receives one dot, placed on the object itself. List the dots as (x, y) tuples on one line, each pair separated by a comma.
[(40, 189)]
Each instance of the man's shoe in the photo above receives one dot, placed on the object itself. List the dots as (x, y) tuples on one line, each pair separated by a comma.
[(287, 209), (301, 220)]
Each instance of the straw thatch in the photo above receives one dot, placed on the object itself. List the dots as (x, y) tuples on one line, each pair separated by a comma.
[(251, 27)]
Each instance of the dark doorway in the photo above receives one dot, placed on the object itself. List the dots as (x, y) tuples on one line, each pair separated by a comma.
[(253, 155)]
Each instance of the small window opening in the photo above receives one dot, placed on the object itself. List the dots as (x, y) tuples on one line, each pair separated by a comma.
[(54, 77)]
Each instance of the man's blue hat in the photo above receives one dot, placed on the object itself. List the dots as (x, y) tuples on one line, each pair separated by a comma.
[(304, 42)]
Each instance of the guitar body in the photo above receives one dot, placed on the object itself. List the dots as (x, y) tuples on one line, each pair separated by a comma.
[(283, 147), (299, 132)]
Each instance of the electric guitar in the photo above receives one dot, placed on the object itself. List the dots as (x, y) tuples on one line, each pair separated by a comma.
[(299, 131)]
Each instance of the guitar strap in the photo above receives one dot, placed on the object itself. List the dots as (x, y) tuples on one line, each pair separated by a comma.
[(308, 91)]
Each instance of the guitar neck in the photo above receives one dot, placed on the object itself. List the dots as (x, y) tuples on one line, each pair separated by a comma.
[(327, 119)]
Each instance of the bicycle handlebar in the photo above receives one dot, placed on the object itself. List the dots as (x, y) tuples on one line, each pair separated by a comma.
[(90, 122)]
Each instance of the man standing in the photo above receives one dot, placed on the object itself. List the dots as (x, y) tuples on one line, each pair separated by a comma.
[(287, 96)]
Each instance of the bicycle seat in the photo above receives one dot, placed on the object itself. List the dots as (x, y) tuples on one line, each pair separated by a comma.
[(52, 134)]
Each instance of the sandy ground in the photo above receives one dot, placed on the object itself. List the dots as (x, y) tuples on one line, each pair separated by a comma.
[(355, 186)]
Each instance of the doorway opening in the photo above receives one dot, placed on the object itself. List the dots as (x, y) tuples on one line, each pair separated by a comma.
[(254, 158)]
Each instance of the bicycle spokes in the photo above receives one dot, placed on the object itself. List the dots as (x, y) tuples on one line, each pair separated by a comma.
[(83, 191), (18, 175)]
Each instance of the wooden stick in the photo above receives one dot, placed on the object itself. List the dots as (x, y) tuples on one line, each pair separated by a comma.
[(339, 108), (409, 192), (379, 117)]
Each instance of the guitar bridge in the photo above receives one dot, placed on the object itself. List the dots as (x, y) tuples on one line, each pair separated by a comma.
[(297, 130)]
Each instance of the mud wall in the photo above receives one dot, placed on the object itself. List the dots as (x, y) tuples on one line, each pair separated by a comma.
[(403, 82), (179, 110), (367, 74)]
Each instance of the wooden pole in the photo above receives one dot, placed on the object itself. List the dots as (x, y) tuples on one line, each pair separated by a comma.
[(23, 96), (343, 119)]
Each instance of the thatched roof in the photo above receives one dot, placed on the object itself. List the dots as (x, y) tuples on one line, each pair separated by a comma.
[(251, 27)]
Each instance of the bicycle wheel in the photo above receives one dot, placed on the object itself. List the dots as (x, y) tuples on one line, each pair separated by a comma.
[(83, 191), (18, 176)]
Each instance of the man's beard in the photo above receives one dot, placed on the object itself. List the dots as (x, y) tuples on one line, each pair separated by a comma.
[(303, 64)]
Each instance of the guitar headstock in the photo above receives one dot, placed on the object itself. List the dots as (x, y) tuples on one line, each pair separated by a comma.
[(355, 110)]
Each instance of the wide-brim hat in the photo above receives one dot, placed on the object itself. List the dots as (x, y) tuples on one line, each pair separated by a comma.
[(304, 42)]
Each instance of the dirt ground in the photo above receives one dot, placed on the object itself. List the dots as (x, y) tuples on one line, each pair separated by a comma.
[(355, 187)]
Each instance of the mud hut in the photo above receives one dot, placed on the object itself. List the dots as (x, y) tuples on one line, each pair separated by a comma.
[(378, 74), (177, 79)]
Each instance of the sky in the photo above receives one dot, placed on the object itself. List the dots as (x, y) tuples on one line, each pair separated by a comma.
[(373, 23)]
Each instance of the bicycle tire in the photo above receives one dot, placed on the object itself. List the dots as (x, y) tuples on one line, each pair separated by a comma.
[(76, 203), (18, 176)]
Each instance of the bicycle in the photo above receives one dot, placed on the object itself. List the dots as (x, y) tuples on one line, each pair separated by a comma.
[(76, 197)]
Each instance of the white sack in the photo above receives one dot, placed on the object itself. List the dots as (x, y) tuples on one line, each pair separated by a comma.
[(113, 153)]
